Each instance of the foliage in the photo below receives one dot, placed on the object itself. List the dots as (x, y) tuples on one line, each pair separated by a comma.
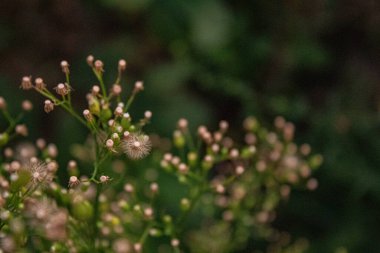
[(226, 188)]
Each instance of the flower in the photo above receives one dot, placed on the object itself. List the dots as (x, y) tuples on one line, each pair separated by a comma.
[(136, 146), (39, 173)]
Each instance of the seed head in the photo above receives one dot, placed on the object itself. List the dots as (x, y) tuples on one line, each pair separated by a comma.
[(136, 146), (39, 173)]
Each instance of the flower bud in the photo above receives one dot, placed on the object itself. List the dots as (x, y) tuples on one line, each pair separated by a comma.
[(48, 106)]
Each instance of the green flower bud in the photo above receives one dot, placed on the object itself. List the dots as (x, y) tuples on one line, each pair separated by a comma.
[(94, 106), (23, 178), (4, 138), (82, 210), (185, 204), (315, 161), (125, 122), (179, 139), (192, 158), (105, 114)]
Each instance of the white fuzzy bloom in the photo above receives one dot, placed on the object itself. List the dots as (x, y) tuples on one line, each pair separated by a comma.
[(136, 146)]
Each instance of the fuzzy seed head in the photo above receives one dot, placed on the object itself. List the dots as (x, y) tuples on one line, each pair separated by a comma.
[(136, 146)]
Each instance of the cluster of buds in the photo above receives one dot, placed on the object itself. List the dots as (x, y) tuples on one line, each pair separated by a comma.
[(265, 167), (238, 186)]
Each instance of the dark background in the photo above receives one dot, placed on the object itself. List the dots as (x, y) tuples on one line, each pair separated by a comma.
[(314, 62)]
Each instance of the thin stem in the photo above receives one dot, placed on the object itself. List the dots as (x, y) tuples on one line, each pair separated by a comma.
[(99, 76), (7, 116), (130, 101), (145, 234), (96, 213), (57, 101)]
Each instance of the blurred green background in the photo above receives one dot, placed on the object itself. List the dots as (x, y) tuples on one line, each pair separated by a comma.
[(314, 62)]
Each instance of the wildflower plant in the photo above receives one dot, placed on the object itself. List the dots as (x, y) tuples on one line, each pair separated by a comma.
[(230, 190)]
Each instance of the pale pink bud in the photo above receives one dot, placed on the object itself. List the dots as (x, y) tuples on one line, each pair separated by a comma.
[(26, 83), (3, 103), (48, 106), (118, 111), (90, 60), (116, 89), (87, 114), (99, 66), (139, 86), (174, 242), (148, 114), (122, 65), (21, 130), (65, 67), (27, 105), (40, 83)]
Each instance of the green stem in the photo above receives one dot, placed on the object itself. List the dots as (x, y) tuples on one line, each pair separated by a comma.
[(145, 234), (96, 213), (67, 107), (102, 85), (130, 101)]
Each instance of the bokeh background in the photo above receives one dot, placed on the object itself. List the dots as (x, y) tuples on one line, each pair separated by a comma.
[(314, 62)]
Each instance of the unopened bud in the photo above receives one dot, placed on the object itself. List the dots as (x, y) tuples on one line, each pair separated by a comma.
[(48, 106), (27, 105), (39, 82), (26, 83), (122, 65)]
